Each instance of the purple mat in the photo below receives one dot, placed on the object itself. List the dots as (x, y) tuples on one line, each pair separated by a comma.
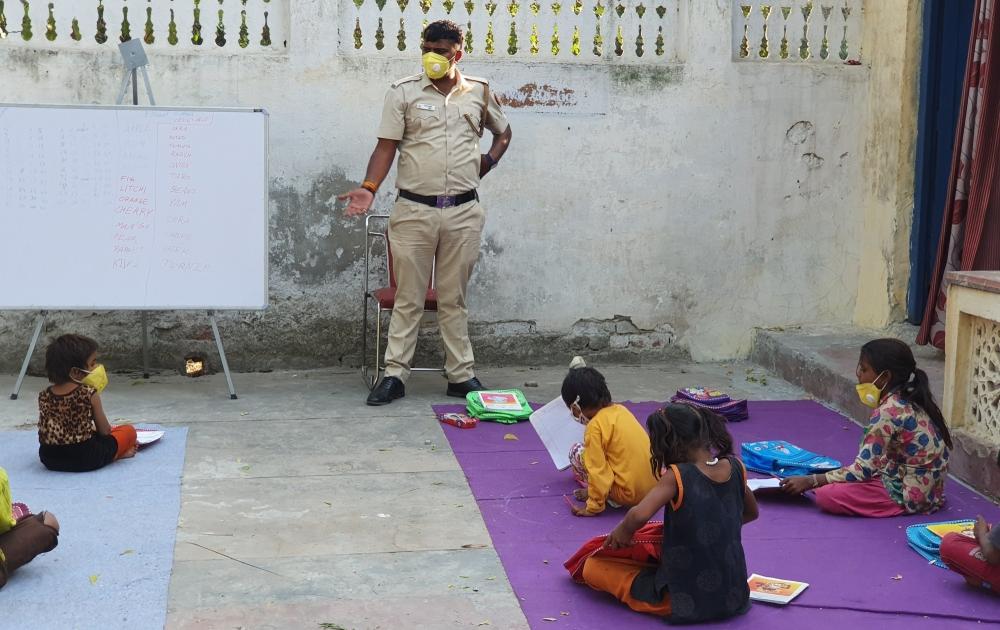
[(849, 562)]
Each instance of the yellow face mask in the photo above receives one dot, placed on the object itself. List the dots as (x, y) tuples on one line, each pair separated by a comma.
[(436, 66), (96, 378), (869, 393)]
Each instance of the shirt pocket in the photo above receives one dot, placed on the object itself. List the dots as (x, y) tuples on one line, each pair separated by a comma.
[(421, 119), (471, 119)]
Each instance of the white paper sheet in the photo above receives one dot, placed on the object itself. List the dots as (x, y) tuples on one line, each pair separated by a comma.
[(558, 430), (763, 484)]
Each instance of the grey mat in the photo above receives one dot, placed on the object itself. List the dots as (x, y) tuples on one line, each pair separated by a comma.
[(116, 541)]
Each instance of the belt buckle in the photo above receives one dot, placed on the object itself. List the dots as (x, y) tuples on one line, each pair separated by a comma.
[(445, 201)]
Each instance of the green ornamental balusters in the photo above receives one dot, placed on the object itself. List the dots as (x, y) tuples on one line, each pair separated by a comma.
[(148, 36), (3, 19), (765, 46), (804, 52), (172, 38), (379, 36), (50, 25), (26, 22), (220, 28), (554, 43), (126, 33), (745, 42), (244, 39), (490, 44), (265, 33), (468, 37), (74, 30), (512, 40), (101, 35), (786, 11), (196, 38), (846, 12), (401, 36), (824, 49)]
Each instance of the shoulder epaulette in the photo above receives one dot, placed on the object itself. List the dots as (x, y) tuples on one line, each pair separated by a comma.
[(415, 77), (476, 79)]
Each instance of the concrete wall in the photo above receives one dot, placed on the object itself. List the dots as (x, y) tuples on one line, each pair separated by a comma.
[(893, 30), (696, 199)]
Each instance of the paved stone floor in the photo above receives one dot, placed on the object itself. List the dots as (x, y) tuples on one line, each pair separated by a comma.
[(301, 506)]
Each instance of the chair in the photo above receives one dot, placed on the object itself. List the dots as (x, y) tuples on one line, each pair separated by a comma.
[(381, 300)]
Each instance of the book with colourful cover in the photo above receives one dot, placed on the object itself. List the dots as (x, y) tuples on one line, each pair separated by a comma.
[(774, 590), (499, 401), (964, 528)]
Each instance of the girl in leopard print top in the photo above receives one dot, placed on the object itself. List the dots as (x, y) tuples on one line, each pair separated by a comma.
[(74, 434)]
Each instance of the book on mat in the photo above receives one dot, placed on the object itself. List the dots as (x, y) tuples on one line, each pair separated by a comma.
[(558, 431), (774, 590), (499, 401), (770, 483), (964, 528)]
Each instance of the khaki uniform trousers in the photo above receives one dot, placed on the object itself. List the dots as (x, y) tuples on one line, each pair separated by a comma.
[(427, 240)]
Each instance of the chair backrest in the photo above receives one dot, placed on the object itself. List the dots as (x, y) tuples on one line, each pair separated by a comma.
[(383, 233)]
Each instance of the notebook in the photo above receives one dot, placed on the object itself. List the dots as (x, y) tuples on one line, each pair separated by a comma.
[(558, 431), (774, 590)]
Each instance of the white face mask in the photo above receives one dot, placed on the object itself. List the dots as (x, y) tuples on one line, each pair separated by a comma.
[(577, 412)]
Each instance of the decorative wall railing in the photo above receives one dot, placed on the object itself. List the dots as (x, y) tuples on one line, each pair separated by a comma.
[(560, 31), (230, 26), (797, 31)]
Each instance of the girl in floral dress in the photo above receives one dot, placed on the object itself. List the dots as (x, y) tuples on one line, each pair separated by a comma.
[(903, 458)]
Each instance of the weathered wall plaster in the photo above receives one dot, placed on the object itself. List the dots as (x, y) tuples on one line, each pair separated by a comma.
[(698, 200)]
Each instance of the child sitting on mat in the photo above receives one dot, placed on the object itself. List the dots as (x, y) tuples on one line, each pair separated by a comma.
[(21, 539), (977, 560), (613, 461), (702, 573), (74, 434), (903, 458)]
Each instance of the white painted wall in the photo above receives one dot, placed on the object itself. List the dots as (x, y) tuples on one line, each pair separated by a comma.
[(674, 194)]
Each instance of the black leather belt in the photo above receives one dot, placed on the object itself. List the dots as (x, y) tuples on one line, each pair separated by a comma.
[(440, 201)]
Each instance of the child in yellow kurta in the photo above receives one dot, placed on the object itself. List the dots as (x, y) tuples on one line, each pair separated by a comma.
[(613, 461)]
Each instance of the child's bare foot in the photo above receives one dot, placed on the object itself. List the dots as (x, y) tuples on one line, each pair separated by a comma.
[(580, 494), (129, 453)]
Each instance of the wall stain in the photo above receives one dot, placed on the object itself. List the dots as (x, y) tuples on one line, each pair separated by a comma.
[(308, 229), (534, 95)]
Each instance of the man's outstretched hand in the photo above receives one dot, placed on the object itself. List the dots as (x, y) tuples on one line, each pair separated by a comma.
[(359, 200)]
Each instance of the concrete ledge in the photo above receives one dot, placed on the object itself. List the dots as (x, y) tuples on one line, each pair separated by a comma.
[(822, 361)]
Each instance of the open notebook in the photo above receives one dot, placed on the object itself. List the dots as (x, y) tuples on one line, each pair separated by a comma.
[(558, 431)]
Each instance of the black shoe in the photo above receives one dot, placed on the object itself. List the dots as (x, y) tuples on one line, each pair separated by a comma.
[(459, 390), (388, 390)]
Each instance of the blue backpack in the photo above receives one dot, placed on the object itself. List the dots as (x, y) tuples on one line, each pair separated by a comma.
[(927, 543), (781, 459)]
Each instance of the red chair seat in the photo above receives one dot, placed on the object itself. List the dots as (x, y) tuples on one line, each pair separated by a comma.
[(386, 297)]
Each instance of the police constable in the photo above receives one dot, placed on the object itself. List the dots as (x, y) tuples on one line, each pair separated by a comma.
[(435, 120)]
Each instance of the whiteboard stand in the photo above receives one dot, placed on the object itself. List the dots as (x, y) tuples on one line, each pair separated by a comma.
[(222, 355), (27, 357), (135, 61)]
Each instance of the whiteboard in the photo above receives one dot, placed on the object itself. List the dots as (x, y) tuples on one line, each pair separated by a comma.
[(150, 208)]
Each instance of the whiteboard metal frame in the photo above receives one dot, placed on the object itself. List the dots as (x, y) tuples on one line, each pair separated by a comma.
[(267, 204)]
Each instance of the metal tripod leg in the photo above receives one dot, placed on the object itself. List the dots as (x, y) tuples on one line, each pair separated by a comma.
[(27, 357), (222, 355)]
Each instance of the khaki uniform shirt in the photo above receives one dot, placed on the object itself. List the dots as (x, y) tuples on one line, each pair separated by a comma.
[(439, 153)]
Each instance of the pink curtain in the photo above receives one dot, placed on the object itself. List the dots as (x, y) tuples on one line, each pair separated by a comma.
[(970, 235)]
